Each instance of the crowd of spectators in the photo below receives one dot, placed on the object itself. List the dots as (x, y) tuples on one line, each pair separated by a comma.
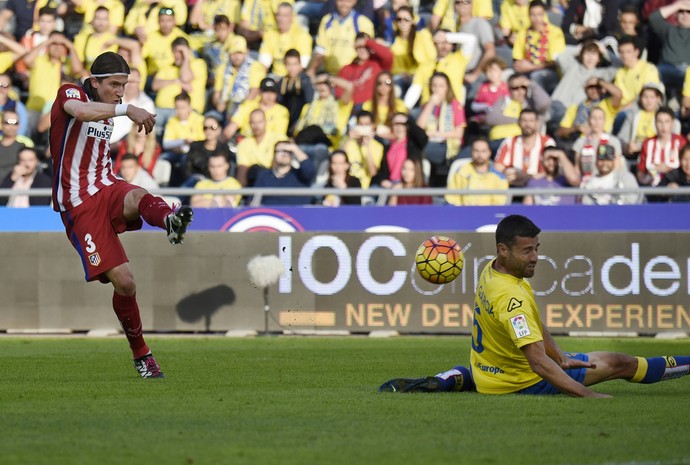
[(397, 94)]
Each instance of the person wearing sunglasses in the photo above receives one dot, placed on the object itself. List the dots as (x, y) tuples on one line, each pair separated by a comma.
[(384, 104), (372, 58), (675, 52), (414, 54), (9, 100), (9, 145), (196, 166), (503, 116)]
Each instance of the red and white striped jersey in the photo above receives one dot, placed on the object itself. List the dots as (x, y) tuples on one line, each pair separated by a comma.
[(80, 151)]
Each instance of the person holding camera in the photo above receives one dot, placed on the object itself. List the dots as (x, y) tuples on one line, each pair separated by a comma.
[(291, 168)]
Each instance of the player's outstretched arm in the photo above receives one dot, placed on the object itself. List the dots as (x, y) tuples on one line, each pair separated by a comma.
[(547, 368), (97, 111)]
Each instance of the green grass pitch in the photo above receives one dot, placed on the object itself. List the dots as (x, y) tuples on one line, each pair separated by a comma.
[(305, 400)]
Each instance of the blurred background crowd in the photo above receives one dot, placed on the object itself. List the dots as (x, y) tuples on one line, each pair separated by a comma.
[(397, 94)]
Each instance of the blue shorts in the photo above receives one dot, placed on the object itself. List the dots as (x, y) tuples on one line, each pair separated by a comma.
[(544, 388)]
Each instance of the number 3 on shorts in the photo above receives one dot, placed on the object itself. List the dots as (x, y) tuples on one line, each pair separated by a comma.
[(90, 246)]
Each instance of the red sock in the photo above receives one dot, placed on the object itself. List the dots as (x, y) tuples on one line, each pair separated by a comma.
[(127, 312), (154, 210)]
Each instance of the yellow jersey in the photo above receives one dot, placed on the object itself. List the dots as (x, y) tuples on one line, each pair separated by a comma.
[(250, 152), (423, 51), (277, 117), (528, 45), (506, 318), (646, 126), (89, 45), (165, 97), (157, 51), (686, 83), (357, 154), (260, 15), (229, 8), (6, 61), (336, 39), (610, 113), (329, 114), (143, 14), (467, 177), (192, 129), (452, 65), (228, 183), (44, 82), (631, 80), (275, 44), (116, 10), (511, 109), (514, 17), (445, 9), (382, 110)]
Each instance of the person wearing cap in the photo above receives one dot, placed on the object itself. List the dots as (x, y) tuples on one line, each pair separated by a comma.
[(187, 73), (661, 153), (599, 94), (237, 79), (639, 121), (289, 34), (635, 71), (586, 146), (142, 18), (157, 44), (335, 40), (607, 176), (277, 116)]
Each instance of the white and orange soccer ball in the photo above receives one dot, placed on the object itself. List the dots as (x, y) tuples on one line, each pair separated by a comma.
[(439, 260)]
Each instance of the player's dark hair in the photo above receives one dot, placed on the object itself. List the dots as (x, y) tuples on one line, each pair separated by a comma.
[(105, 63), (513, 226)]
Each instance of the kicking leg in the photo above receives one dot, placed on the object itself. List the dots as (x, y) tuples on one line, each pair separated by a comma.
[(156, 212), (127, 311)]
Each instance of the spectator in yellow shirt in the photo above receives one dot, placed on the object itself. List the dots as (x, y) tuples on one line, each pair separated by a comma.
[(384, 104), (514, 18), (116, 8), (237, 79), (157, 46), (635, 71), (537, 47), (288, 35), (96, 39), (141, 20), (218, 166), (183, 128), (255, 153), (443, 15), (257, 18), (335, 40), (414, 54), (47, 71), (277, 116), (478, 174), (202, 19), (364, 152), (187, 73)]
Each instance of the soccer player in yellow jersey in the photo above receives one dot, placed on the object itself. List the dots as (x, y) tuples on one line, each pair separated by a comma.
[(512, 352)]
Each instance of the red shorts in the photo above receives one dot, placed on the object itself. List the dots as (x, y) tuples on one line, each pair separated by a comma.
[(93, 226)]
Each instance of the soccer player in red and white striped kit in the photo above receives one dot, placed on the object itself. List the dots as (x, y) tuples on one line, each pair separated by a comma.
[(94, 203)]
